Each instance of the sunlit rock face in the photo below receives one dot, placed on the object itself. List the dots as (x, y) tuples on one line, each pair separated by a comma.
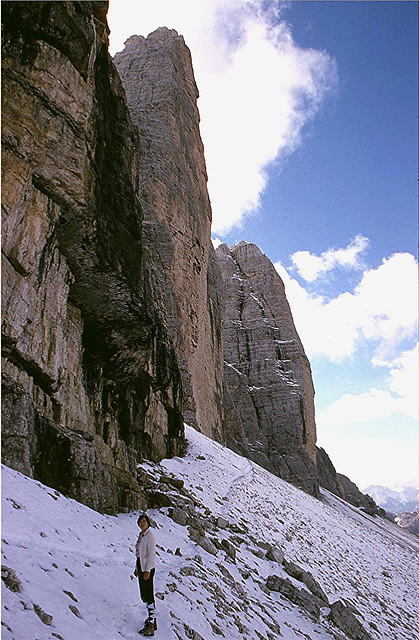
[(162, 96), (90, 380), (269, 395), (119, 319)]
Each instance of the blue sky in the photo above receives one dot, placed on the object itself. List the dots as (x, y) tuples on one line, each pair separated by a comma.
[(309, 122)]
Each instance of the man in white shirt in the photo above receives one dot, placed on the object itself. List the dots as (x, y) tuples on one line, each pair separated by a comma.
[(145, 551)]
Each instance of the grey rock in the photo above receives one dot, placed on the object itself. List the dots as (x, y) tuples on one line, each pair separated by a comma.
[(191, 633), (301, 597), (10, 579), (229, 548), (179, 516), (222, 522), (90, 379), (342, 616), (263, 545), (207, 545), (307, 578), (174, 482), (161, 92), (157, 499), (75, 610), (195, 533), (46, 618), (275, 554)]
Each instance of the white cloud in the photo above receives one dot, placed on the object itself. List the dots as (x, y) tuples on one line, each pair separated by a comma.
[(404, 372), (257, 88), (216, 242), (382, 310), (375, 404), (370, 460), (310, 266)]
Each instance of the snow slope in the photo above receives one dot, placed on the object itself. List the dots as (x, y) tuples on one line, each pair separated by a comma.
[(75, 564)]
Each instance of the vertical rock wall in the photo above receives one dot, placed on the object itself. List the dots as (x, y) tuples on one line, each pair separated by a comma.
[(159, 82), (90, 380), (269, 394), (118, 315)]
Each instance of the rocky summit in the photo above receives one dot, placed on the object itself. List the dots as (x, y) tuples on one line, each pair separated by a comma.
[(159, 82), (269, 399), (120, 321)]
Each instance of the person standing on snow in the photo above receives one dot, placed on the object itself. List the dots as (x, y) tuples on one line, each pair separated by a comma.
[(145, 551)]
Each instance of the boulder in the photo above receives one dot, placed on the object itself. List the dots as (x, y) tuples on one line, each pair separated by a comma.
[(300, 597), (222, 522), (342, 616), (306, 578), (10, 579), (229, 548), (275, 554), (174, 482), (207, 545), (179, 516)]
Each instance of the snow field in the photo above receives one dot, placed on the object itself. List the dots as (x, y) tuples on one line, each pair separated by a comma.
[(75, 563)]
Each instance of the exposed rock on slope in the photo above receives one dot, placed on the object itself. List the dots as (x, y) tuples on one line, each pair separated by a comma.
[(342, 487), (161, 92), (408, 520), (269, 397), (90, 380)]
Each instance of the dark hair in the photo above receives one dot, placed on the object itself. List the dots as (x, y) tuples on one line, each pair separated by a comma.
[(144, 516)]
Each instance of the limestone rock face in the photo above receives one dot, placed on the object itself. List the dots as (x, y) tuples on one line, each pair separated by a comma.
[(90, 380), (161, 92), (269, 394), (343, 487)]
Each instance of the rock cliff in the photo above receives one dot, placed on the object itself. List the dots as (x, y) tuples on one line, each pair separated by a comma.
[(90, 378), (120, 321), (269, 394), (158, 78)]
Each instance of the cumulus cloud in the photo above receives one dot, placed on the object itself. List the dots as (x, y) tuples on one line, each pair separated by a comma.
[(258, 88), (382, 310), (310, 266), (216, 242), (404, 373), (375, 404)]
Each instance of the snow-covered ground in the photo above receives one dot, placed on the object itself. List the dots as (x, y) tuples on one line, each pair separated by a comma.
[(76, 564)]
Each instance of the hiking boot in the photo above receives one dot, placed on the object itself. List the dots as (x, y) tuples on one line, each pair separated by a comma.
[(148, 629), (149, 620)]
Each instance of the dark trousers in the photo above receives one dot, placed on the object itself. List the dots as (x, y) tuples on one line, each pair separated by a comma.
[(146, 586)]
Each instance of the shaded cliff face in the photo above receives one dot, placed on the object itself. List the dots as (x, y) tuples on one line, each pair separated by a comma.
[(90, 380), (161, 92), (343, 487), (269, 394)]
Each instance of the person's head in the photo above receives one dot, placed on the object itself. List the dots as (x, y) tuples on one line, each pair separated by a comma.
[(143, 522)]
